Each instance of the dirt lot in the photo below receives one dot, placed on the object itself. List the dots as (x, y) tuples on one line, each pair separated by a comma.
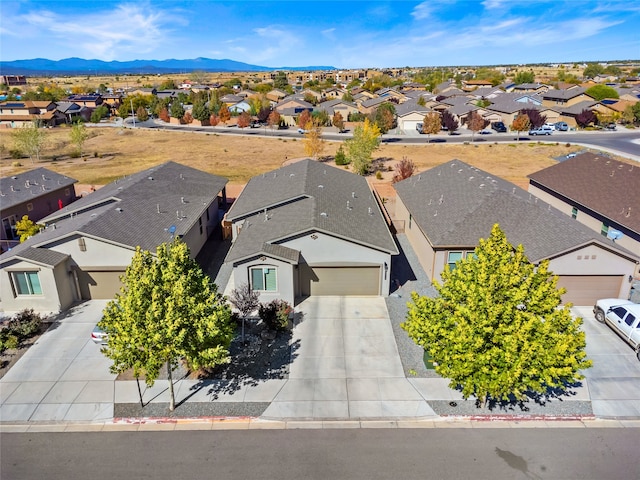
[(111, 153)]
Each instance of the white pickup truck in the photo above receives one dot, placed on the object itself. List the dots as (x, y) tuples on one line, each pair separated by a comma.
[(623, 316)]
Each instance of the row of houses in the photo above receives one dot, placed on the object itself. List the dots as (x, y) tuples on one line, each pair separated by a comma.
[(310, 229)]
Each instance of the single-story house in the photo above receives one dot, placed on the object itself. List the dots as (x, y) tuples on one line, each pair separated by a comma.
[(611, 209), (447, 209), (36, 193), (87, 246), (309, 229), (334, 106), (409, 114)]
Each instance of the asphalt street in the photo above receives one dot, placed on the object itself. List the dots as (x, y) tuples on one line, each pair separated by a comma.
[(366, 454)]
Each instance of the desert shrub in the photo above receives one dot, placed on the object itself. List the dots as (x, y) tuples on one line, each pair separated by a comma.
[(275, 314), (16, 164), (8, 341), (341, 158), (15, 153), (378, 175), (75, 154), (25, 323)]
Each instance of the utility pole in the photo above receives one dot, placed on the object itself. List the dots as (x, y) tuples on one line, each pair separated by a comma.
[(133, 113)]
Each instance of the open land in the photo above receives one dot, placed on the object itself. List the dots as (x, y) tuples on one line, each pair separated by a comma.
[(112, 153)]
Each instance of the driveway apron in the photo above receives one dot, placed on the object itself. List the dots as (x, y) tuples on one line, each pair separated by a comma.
[(345, 365), (63, 376)]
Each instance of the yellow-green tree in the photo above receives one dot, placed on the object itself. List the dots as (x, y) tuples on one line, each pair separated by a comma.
[(365, 140), (29, 139), (313, 142), (79, 136), (166, 310), (496, 328), (431, 123), (26, 228)]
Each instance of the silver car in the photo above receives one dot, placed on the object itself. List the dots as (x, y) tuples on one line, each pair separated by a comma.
[(99, 336)]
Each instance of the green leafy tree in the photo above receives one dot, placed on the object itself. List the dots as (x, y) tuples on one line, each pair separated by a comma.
[(497, 329), (600, 92), (280, 81), (142, 114), (385, 117), (592, 70), (365, 140), (30, 139), (167, 310), (341, 158), (79, 135), (99, 113), (524, 77), (176, 110), (26, 228), (200, 111)]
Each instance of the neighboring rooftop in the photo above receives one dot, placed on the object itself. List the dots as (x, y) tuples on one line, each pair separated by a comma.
[(605, 186), (307, 195), (456, 204), (26, 186)]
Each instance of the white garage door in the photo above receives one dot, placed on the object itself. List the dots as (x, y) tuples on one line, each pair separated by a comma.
[(585, 290), (410, 126), (340, 281)]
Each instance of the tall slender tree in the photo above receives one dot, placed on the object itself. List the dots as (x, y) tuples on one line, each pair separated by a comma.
[(30, 139)]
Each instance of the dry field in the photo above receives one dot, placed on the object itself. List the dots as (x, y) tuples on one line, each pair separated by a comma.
[(111, 153)]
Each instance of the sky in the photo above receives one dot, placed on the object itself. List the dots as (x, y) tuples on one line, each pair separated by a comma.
[(343, 34)]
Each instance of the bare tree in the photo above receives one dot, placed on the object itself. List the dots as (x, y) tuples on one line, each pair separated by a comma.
[(404, 169), (245, 300)]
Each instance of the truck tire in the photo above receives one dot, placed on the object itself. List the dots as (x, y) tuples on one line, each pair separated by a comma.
[(599, 315)]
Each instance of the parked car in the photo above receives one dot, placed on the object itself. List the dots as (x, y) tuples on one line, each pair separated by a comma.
[(623, 316), (561, 126), (419, 128), (610, 126), (99, 336), (543, 130), (255, 124), (485, 132), (302, 130), (499, 127)]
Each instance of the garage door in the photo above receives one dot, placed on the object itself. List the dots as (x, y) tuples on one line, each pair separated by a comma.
[(340, 280), (96, 284), (586, 289), (410, 125)]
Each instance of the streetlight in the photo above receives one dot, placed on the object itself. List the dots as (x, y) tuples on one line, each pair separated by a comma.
[(133, 114)]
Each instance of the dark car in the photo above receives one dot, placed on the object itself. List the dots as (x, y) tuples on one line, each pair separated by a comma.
[(499, 127), (561, 126)]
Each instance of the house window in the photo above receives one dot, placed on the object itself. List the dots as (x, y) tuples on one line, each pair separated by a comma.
[(264, 279), (604, 230), (410, 218), (574, 213), (26, 283), (453, 258)]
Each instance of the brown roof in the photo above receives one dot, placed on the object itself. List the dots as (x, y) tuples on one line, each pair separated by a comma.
[(605, 186)]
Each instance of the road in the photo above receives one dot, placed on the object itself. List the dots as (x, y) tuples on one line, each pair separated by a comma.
[(621, 141), (451, 453)]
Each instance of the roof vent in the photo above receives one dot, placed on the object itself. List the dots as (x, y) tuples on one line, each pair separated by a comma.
[(514, 190), (292, 175), (353, 194), (181, 177), (118, 209), (481, 185), (320, 186), (370, 211), (324, 214), (150, 178), (182, 200), (14, 178)]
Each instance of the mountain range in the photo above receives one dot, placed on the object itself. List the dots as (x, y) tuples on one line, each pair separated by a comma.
[(80, 66)]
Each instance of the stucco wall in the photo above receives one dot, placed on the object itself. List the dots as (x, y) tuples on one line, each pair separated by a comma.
[(422, 248), (97, 253), (285, 286)]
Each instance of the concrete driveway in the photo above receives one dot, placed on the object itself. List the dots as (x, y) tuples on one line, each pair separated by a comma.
[(614, 379), (346, 365), (63, 376)]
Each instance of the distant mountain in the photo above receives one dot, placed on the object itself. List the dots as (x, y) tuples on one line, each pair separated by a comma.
[(80, 66)]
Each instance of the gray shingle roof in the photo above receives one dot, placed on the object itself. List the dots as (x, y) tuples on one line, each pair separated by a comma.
[(304, 196), (42, 256), (26, 186), (577, 108), (563, 94), (456, 204), (125, 212)]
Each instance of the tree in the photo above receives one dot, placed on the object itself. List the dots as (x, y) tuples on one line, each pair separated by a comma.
[(341, 158), (304, 118), (79, 135), (274, 119), (263, 114), (30, 139), (244, 119), (585, 118), (431, 123), (385, 117), (177, 110), (245, 300), (338, 121), (449, 121), (142, 114), (200, 111), (592, 70), (314, 144), (536, 119), (360, 147), (99, 113), (26, 228), (524, 77), (224, 114), (475, 123), (600, 92), (496, 328), (404, 169), (280, 81), (163, 115), (166, 310), (520, 124)]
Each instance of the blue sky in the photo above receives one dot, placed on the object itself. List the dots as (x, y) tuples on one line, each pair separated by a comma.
[(344, 34)]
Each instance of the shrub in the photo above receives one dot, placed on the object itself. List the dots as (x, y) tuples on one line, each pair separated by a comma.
[(275, 314), (378, 175), (16, 164), (25, 323), (15, 153), (341, 158), (75, 154), (8, 341)]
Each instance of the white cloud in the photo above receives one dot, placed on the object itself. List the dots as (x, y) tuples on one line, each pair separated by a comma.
[(422, 10), (494, 4), (110, 34)]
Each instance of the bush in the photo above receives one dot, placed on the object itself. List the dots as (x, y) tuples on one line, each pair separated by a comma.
[(16, 164), (15, 153), (378, 175), (25, 324), (8, 341), (341, 158), (275, 314), (75, 154)]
